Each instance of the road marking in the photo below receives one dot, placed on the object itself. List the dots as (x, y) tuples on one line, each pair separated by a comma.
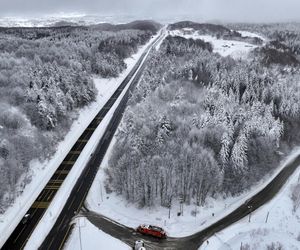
[(91, 129), (55, 181), (82, 140), (61, 221), (49, 196), (40, 204), (24, 243), (50, 243), (68, 162), (71, 203), (24, 226), (79, 186), (64, 239), (52, 187), (62, 171), (77, 152)]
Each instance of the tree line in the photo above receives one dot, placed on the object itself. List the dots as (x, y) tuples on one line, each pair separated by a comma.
[(45, 79), (200, 125)]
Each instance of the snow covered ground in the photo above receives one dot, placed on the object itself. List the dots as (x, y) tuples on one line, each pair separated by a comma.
[(250, 34), (235, 49), (118, 209), (88, 237), (42, 171), (283, 225)]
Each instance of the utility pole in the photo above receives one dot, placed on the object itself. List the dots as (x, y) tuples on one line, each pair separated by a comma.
[(181, 204), (80, 235), (267, 217), (101, 191), (170, 204)]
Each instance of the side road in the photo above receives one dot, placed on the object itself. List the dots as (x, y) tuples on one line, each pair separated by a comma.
[(129, 236)]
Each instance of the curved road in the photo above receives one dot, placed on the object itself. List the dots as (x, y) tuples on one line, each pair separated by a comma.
[(129, 236)]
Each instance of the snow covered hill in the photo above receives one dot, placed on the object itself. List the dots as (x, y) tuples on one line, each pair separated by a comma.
[(225, 47)]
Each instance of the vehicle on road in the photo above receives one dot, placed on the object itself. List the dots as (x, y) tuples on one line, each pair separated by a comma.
[(25, 218), (152, 230), (139, 245)]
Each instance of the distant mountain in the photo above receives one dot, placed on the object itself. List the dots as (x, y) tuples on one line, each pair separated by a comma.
[(63, 24), (140, 25)]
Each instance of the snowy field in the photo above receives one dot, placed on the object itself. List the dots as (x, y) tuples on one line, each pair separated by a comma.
[(87, 237), (41, 172), (235, 49), (283, 225), (118, 209)]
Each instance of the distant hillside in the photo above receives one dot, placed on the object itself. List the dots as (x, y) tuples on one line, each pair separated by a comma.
[(206, 28), (66, 28), (218, 31), (63, 24), (139, 25)]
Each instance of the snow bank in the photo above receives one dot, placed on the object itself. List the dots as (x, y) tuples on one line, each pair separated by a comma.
[(283, 225), (42, 171), (92, 238), (235, 49)]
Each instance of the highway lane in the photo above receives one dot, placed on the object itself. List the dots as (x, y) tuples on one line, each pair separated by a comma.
[(193, 242), (60, 231)]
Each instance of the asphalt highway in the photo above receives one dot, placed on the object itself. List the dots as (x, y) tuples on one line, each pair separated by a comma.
[(59, 233)]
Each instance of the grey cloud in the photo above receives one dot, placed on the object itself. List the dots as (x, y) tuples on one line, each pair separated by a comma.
[(228, 10)]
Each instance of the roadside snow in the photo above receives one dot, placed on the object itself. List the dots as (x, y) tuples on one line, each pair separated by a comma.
[(283, 225), (91, 238), (41, 172), (235, 49)]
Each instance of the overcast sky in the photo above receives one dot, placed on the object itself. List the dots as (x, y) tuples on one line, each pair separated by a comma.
[(228, 10)]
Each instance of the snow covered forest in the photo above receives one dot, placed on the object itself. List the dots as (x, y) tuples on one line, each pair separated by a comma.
[(45, 79), (201, 125)]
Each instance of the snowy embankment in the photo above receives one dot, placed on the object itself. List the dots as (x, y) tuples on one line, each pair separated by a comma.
[(235, 49), (88, 237), (41, 172), (275, 222)]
